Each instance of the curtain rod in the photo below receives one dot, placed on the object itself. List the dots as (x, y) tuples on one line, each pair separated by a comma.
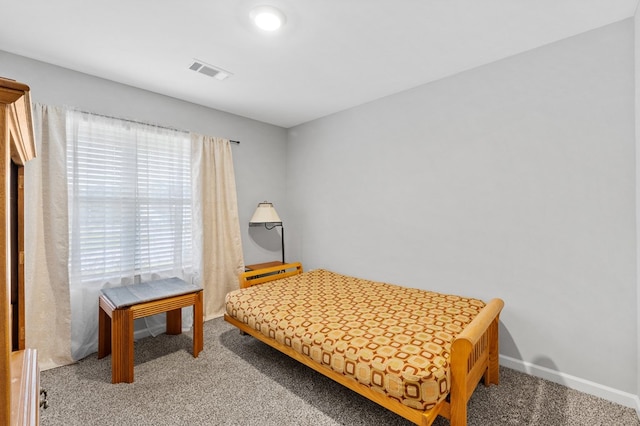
[(141, 122)]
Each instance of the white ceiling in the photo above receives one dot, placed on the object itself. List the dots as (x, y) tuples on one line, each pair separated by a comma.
[(331, 54)]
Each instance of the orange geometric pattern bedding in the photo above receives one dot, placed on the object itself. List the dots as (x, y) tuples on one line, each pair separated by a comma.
[(396, 340)]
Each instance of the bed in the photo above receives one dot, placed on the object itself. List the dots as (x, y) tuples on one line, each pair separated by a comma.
[(418, 353)]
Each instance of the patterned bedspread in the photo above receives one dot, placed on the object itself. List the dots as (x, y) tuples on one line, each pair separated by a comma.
[(396, 340)]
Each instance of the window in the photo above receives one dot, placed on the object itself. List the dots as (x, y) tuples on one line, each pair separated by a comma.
[(129, 200)]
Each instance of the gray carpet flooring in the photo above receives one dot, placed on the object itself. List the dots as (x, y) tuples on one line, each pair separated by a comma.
[(238, 380)]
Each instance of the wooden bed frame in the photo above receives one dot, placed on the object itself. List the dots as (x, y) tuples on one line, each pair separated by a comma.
[(474, 356)]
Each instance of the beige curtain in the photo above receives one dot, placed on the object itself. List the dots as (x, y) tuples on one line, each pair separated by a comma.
[(48, 310), (216, 211)]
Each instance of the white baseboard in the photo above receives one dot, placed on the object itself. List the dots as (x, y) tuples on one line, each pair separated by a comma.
[(610, 394)]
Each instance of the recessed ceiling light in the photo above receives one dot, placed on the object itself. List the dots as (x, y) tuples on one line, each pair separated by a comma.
[(268, 18)]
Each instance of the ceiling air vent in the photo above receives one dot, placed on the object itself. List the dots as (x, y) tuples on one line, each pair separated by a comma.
[(209, 70)]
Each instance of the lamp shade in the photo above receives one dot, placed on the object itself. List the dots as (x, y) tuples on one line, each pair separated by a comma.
[(265, 213)]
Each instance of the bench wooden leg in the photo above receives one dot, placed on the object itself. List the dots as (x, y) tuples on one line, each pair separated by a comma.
[(104, 333), (198, 339), (174, 321), (122, 346)]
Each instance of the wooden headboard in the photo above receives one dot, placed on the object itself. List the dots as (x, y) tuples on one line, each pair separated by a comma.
[(260, 276)]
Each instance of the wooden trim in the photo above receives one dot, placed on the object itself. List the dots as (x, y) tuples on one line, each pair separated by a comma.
[(13, 90), (16, 369), (21, 282), (8, 94), (5, 279), (16, 98), (25, 387), (19, 122), (163, 305)]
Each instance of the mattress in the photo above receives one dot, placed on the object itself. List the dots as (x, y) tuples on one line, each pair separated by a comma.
[(396, 340)]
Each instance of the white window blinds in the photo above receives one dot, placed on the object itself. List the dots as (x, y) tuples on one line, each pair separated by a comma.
[(130, 200)]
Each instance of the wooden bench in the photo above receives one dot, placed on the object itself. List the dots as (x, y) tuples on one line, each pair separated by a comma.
[(119, 306)]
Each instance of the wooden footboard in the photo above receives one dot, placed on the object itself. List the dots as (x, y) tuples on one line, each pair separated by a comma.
[(474, 356)]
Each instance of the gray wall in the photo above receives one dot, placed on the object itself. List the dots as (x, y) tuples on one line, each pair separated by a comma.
[(259, 160), (513, 180)]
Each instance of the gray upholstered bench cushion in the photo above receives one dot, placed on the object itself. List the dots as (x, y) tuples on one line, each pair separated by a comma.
[(146, 292)]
